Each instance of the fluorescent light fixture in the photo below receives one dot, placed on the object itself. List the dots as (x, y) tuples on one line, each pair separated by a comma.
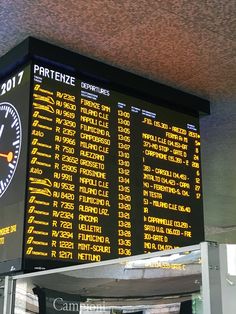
[(231, 259)]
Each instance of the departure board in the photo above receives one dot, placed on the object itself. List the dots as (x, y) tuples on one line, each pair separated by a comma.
[(109, 175)]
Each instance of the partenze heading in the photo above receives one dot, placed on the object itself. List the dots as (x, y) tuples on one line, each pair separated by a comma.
[(54, 75)]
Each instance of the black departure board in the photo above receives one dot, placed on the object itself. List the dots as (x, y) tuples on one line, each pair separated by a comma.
[(95, 163), (109, 175)]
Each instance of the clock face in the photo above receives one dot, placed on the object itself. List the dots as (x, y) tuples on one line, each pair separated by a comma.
[(10, 144)]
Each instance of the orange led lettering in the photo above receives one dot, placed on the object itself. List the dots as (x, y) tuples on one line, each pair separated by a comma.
[(30, 240), (31, 209), (56, 175), (55, 204), (53, 254), (29, 250), (58, 138), (54, 243), (56, 194), (56, 184), (59, 111)]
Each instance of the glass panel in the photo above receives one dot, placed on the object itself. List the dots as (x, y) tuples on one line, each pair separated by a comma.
[(166, 283)]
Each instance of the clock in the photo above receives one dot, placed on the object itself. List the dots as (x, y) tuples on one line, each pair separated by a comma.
[(10, 144)]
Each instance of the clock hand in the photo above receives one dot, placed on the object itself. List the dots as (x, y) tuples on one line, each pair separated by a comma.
[(8, 156)]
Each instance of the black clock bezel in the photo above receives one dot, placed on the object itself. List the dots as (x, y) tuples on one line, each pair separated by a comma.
[(18, 146)]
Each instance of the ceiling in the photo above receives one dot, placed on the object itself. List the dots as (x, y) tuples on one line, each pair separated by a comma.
[(187, 44)]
